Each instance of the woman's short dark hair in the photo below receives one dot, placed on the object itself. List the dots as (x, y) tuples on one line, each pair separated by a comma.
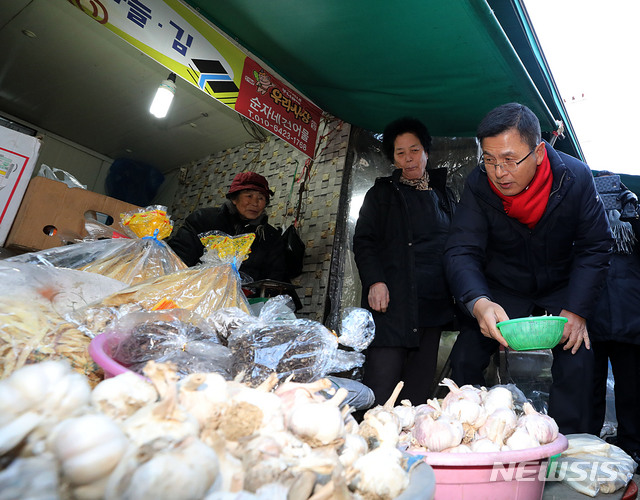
[(511, 116), (403, 126)]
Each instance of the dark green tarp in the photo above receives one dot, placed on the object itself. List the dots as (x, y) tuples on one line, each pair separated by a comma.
[(368, 62)]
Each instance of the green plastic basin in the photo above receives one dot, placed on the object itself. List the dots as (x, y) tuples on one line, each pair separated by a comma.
[(533, 332)]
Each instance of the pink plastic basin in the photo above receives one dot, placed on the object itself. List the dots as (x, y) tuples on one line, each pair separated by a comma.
[(101, 348), (505, 475)]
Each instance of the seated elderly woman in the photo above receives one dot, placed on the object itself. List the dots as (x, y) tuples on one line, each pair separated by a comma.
[(242, 212)]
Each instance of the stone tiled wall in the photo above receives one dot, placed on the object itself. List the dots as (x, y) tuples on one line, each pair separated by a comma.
[(205, 182)]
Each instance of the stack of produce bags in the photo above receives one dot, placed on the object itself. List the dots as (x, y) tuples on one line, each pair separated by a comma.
[(235, 344), (140, 256), (202, 289)]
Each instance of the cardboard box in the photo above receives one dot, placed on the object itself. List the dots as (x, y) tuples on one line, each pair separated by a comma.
[(51, 212), (18, 153)]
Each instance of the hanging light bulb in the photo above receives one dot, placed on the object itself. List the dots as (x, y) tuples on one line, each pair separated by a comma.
[(164, 96)]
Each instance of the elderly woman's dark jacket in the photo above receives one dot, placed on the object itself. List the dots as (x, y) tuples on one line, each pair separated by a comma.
[(266, 260), (559, 264), (385, 251)]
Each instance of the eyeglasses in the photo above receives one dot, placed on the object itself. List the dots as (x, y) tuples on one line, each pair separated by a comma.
[(507, 166)]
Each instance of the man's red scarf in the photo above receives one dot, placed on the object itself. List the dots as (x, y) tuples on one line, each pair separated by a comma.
[(528, 206)]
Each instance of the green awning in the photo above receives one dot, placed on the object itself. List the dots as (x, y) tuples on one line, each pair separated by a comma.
[(369, 62)]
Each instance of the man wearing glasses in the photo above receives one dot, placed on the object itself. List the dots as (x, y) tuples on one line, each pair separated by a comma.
[(529, 237)]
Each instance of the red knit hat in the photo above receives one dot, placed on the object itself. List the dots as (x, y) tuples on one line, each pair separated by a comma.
[(250, 180)]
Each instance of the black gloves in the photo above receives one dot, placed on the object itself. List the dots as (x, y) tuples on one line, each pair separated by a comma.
[(629, 203)]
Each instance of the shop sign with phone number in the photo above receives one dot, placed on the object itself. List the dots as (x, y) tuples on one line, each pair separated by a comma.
[(175, 36)]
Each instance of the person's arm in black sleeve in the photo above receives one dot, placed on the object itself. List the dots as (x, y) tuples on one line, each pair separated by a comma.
[(366, 244), (277, 269)]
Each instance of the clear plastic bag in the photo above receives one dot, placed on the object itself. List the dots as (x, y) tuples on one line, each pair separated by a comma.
[(357, 328), (174, 335), (591, 466), (132, 260), (202, 289), (57, 174), (278, 308), (224, 321), (302, 348), (345, 361), (33, 303)]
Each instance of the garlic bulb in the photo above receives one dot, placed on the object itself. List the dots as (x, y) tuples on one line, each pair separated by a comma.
[(406, 414), (465, 392), (269, 404), (121, 396), (88, 448), (33, 478), (231, 475), (322, 461), (12, 403), (431, 407), (437, 435), (50, 388), (15, 431), (204, 396), (405, 439), (381, 424), (164, 419), (160, 471), (350, 424), (264, 462), (498, 397), (521, 440), (380, 473), (484, 445), (319, 423), (499, 425), (354, 447), (541, 427), (466, 411), (292, 393), (42, 395)]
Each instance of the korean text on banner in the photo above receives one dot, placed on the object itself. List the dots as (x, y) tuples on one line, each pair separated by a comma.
[(274, 106), (171, 33)]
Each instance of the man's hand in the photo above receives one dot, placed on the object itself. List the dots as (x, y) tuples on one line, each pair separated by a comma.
[(379, 297), (488, 314), (575, 332)]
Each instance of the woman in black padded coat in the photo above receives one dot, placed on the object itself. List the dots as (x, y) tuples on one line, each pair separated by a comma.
[(242, 212), (398, 246)]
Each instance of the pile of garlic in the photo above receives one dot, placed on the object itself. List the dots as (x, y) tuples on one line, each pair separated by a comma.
[(469, 420), (201, 437)]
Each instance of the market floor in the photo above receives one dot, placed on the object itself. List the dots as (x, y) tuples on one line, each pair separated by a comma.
[(560, 491)]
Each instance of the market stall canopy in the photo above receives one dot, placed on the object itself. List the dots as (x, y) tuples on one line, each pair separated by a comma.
[(367, 63)]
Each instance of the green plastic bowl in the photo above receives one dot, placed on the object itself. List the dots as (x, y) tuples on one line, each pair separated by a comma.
[(534, 332)]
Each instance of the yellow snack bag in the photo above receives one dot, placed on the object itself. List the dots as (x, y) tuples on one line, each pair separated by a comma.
[(145, 222), (223, 247)]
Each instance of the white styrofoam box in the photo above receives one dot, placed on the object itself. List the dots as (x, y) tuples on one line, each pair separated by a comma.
[(18, 155)]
